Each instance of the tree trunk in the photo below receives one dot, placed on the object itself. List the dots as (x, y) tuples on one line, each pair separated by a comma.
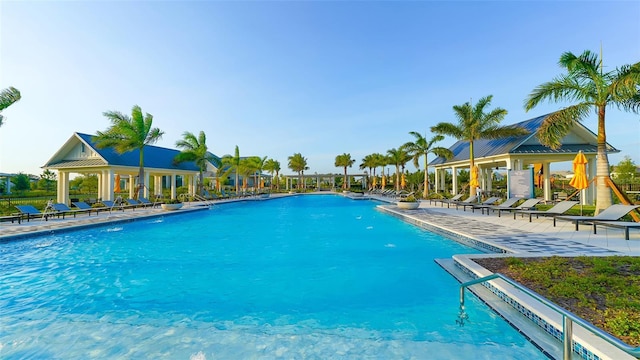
[(397, 178), (344, 183), (141, 175), (472, 163), (426, 177), (603, 192)]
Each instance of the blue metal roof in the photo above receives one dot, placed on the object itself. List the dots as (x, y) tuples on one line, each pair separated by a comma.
[(512, 145), (154, 156)]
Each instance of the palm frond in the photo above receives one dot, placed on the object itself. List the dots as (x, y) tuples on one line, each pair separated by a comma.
[(558, 124)]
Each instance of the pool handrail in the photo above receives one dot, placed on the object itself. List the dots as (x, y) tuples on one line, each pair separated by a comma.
[(567, 317)]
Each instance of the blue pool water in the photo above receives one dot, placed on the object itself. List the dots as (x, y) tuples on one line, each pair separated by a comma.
[(307, 277)]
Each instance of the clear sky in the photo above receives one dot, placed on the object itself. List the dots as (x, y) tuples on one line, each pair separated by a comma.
[(276, 78)]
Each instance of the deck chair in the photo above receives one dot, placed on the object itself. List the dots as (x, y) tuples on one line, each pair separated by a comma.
[(470, 201), (30, 212), (145, 202), (527, 205), (447, 201), (63, 209), (489, 202), (86, 207), (132, 203), (111, 205), (558, 209), (505, 204), (612, 213), (624, 225)]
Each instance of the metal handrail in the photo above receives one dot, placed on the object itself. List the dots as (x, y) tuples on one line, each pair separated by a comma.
[(567, 317)]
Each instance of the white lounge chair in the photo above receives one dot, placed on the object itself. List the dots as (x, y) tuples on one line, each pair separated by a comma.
[(558, 209)]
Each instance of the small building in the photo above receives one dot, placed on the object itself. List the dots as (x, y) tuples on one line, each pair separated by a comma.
[(80, 155), (518, 153)]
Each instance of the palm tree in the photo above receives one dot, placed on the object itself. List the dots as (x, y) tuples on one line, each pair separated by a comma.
[(586, 84), (129, 133), (231, 164), (249, 166), (369, 162), (422, 147), (273, 166), (298, 163), (8, 96), (195, 149), (398, 157), (474, 124), (344, 161)]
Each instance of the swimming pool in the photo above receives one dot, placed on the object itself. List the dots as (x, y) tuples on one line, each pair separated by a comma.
[(317, 277)]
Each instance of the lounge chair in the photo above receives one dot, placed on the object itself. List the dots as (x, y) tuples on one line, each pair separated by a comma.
[(110, 205), (612, 213), (30, 212), (625, 225), (447, 201), (558, 209), (503, 205), (86, 207), (489, 202), (63, 209), (527, 205), (11, 218), (132, 203), (470, 201), (145, 202)]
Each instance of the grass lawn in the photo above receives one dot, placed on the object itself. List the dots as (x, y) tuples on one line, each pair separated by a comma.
[(602, 290)]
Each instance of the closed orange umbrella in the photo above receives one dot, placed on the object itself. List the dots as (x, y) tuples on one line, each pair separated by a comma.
[(218, 183), (579, 180), (244, 183), (384, 181), (403, 181), (117, 187), (373, 184)]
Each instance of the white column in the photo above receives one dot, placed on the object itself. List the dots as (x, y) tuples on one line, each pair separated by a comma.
[(146, 185), (132, 186), (454, 180), (489, 179), (100, 195), (157, 185), (173, 187), (63, 187), (546, 175), (109, 181)]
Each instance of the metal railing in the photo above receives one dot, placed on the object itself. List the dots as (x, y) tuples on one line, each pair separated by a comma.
[(568, 318)]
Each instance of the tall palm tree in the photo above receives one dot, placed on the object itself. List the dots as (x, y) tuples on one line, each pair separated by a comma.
[(273, 166), (8, 96), (378, 160), (231, 164), (590, 88), (195, 149), (344, 161), (398, 157), (474, 124), (249, 166), (368, 162), (298, 163), (129, 133), (422, 147)]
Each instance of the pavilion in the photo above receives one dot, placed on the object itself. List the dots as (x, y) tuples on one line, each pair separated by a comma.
[(519, 153), (80, 155)]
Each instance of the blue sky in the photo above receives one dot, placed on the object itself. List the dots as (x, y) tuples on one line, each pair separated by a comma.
[(320, 78)]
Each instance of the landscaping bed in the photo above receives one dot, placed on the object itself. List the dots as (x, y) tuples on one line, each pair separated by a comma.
[(602, 290)]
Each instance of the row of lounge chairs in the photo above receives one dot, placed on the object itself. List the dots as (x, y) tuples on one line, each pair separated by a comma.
[(28, 212), (391, 193), (607, 218)]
